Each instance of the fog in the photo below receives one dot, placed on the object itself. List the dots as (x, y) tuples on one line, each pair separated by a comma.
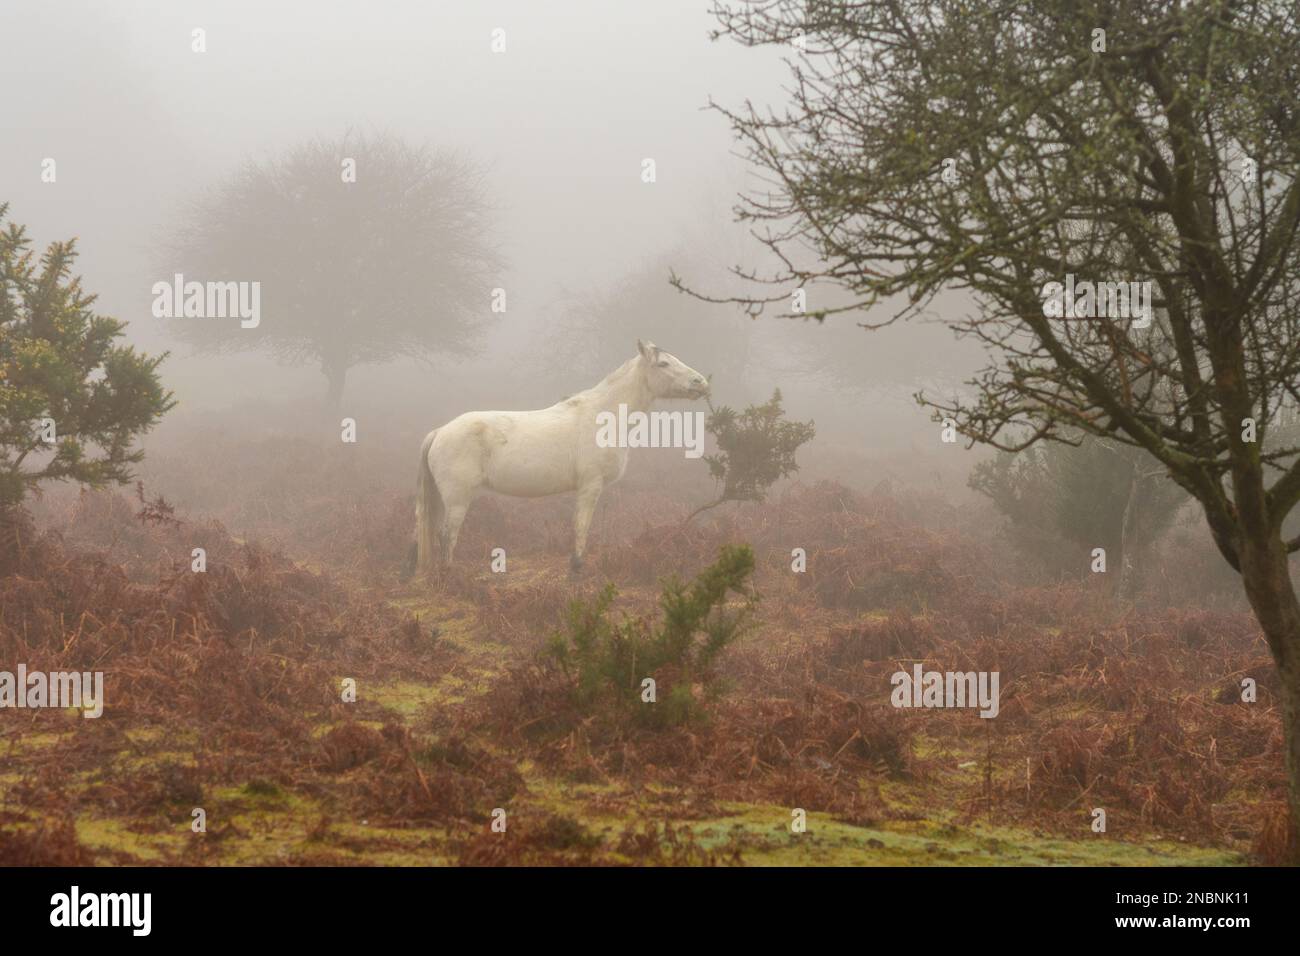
[(410, 557), (141, 127)]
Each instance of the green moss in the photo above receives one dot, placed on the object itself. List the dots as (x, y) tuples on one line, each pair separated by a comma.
[(143, 736), (408, 698), (323, 729), (276, 828), (17, 744), (127, 760), (765, 838), (113, 842)]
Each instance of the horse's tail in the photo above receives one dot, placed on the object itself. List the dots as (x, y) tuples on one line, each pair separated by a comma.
[(428, 512)]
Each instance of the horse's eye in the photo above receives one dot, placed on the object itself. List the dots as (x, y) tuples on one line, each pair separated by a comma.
[(662, 364)]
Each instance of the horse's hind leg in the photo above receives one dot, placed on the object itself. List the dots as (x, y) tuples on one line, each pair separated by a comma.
[(588, 495), (453, 517)]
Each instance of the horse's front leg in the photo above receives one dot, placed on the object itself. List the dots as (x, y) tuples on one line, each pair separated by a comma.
[(588, 495)]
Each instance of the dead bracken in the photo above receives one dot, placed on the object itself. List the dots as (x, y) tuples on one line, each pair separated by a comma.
[(224, 693)]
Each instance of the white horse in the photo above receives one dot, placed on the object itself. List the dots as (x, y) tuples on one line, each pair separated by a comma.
[(547, 451)]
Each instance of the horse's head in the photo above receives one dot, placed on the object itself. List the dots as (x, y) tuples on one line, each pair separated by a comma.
[(668, 376)]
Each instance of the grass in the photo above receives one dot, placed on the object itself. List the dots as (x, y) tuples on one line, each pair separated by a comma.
[(255, 822)]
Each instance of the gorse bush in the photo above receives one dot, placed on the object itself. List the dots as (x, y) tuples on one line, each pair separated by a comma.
[(607, 661), (72, 400), (756, 448), (1060, 501)]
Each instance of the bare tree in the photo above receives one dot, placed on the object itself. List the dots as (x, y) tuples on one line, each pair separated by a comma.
[(367, 249), (1000, 146)]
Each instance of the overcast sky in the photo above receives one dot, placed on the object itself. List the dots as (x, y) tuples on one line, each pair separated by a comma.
[(562, 119), (139, 124)]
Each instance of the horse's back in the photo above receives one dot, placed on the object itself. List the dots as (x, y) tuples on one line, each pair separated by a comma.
[(525, 454)]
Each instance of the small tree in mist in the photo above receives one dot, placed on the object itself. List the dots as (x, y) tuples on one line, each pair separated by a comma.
[(756, 449), (396, 263), (64, 377), (998, 146), (1060, 501)]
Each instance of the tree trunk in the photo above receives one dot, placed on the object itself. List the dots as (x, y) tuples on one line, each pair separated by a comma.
[(1125, 583), (1266, 574), (1291, 741), (336, 376)]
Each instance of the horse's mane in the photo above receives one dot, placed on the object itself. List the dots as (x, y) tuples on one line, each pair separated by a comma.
[(621, 370)]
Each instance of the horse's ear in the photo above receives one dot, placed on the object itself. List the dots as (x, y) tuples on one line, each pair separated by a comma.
[(647, 349)]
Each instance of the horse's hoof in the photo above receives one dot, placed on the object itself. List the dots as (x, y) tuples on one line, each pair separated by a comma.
[(575, 564)]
